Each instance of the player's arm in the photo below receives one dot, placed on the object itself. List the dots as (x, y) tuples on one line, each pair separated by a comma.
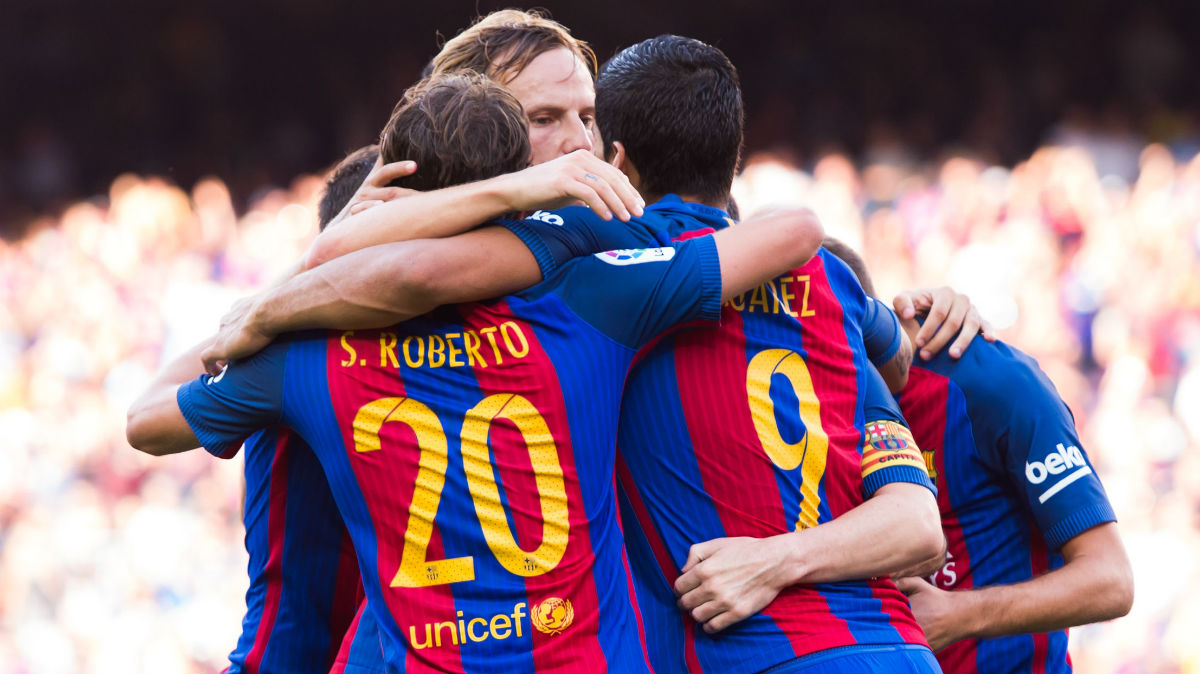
[(729, 579), (377, 287), (1094, 584), (764, 247), (949, 315), (888, 346), (154, 423), (579, 176)]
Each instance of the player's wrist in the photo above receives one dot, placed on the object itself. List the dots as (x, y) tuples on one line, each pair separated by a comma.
[(796, 564)]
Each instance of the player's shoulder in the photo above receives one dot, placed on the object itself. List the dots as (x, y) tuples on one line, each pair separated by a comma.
[(996, 373)]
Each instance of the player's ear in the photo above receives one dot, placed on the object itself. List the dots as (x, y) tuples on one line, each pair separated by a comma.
[(620, 159)]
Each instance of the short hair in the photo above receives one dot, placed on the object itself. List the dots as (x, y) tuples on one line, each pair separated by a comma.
[(344, 181), (676, 105), (457, 128), (502, 43), (853, 260)]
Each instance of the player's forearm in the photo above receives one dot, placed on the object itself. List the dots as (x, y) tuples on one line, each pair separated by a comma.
[(1090, 587), (765, 247), (899, 526), (152, 421), (426, 215), (370, 288)]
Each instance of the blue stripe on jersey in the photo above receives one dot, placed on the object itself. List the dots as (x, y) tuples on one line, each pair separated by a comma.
[(450, 392), (663, 621), (306, 393), (259, 453), (575, 359), (366, 653)]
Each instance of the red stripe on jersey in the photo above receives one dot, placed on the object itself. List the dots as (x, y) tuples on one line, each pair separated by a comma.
[(273, 570), (662, 558), (637, 609), (534, 377), (830, 362), (387, 478), (923, 403), (710, 369), (1039, 564), (347, 596)]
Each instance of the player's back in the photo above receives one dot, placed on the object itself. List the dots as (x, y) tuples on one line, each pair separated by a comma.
[(471, 454), (1013, 483), (304, 582), (757, 429)]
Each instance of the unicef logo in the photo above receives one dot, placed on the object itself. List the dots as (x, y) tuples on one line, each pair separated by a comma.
[(553, 615)]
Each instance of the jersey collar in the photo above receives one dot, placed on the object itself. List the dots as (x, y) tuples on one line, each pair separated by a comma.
[(715, 217)]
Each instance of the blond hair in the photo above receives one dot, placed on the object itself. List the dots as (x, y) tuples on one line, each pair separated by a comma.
[(502, 43)]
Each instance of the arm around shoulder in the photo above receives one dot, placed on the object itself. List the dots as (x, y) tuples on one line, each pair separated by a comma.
[(766, 246)]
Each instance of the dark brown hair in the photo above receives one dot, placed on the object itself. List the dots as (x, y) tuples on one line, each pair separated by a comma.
[(457, 128)]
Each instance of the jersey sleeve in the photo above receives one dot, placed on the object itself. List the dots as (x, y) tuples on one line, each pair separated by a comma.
[(557, 236), (1035, 444), (247, 396), (634, 295), (881, 332), (890, 454)]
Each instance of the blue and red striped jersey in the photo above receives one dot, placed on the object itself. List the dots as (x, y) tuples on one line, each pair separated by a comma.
[(774, 422), (361, 651), (471, 454), (304, 580), (1013, 481)]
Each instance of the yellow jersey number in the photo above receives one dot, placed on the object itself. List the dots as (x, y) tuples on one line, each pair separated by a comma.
[(811, 450), (416, 570)]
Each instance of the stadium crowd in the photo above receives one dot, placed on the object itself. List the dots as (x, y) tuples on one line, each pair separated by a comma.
[(111, 561)]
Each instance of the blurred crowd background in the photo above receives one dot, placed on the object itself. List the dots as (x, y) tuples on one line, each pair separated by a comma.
[(1041, 159)]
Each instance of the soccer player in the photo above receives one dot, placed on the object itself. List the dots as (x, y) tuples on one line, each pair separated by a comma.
[(1033, 548), (863, 614), (304, 582), (470, 451)]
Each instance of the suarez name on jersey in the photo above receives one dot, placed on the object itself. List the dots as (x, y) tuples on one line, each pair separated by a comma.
[(755, 429)]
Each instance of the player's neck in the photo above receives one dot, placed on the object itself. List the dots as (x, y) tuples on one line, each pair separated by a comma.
[(720, 202)]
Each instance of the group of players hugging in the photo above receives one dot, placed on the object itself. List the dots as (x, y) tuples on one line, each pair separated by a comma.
[(534, 401)]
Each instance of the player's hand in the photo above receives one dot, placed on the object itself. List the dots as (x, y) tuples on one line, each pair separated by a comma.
[(727, 580), (933, 608), (374, 189), (576, 177), (948, 313), (238, 337)]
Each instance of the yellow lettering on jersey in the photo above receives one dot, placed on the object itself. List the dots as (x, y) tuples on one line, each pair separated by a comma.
[(351, 354), (498, 627), (804, 310), (471, 345), (490, 333), (785, 296), (409, 360), (510, 329), (452, 351), (758, 298), (437, 351), (387, 350)]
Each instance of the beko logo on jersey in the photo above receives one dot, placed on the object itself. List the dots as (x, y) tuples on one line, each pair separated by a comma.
[(630, 256), (219, 376), (547, 217), (1056, 463)]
